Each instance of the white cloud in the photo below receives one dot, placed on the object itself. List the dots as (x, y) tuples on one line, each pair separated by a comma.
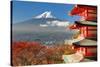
[(43, 25), (55, 23), (58, 23)]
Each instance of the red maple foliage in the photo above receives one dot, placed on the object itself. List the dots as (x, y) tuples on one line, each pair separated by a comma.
[(34, 53)]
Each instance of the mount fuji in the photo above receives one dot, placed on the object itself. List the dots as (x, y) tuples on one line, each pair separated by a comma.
[(45, 27), (39, 22), (46, 14)]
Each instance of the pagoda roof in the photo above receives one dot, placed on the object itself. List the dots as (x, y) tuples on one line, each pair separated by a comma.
[(86, 43), (86, 23), (80, 8)]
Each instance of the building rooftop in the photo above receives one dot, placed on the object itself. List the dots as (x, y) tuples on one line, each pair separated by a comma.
[(80, 8), (86, 42), (86, 23)]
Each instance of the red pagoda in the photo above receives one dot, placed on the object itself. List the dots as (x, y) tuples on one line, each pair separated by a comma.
[(88, 28)]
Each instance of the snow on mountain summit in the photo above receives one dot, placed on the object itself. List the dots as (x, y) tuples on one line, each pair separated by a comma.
[(46, 14)]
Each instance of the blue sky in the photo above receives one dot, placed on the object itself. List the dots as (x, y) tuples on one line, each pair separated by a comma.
[(26, 10)]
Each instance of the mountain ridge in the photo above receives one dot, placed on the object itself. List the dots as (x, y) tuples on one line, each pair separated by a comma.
[(46, 14)]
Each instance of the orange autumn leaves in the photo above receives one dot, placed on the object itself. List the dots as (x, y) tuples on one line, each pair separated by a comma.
[(34, 53)]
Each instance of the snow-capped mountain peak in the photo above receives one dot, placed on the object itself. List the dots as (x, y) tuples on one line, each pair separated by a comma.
[(46, 14)]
